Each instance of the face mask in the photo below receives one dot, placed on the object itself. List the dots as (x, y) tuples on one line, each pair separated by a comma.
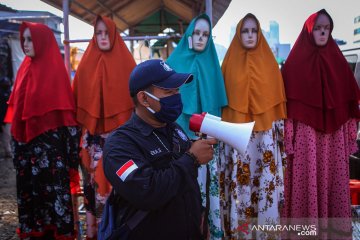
[(171, 108)]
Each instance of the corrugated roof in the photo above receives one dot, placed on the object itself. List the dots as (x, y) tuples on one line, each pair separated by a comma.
[(23, 15)]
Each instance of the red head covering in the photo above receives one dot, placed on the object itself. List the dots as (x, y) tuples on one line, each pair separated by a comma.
[(101, 84), (320, 88), (41, 99)]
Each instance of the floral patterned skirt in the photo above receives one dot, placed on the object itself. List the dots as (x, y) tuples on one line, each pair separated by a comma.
[(214, 218), (96, 187), (252, 185), (43, 183)]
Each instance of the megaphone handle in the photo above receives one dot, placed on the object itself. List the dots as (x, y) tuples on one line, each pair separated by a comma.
[(201, 135)]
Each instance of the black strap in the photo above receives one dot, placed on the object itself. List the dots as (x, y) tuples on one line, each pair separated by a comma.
[(124, 230), (127, 227), (207, 206), (205, 224), (136, 219)]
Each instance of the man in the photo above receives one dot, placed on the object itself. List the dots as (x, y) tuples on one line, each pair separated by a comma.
[(152, 164)]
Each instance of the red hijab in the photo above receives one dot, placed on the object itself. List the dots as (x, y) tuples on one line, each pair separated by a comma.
[(41, 99), (101, 84), (320, 88)]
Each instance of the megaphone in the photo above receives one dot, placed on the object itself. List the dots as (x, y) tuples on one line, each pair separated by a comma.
[(236, 135)]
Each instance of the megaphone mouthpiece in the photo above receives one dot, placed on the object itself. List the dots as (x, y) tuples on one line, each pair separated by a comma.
[(195, 122)]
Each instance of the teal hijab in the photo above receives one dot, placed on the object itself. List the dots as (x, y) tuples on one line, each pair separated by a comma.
[(206, 92)]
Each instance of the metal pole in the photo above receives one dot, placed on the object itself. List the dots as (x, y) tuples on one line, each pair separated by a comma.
[(66, 36), (209, 9), (126, 38)]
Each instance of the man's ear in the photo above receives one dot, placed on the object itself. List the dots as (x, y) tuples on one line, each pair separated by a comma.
[(142, 99)]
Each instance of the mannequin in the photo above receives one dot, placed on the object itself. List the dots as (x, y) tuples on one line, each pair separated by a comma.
[(102, 36), (28, 44), (103, 103), (322, 103), (249, 32), (46, 139), (200, 35), (321, 30), (252, 184), (196, 54)]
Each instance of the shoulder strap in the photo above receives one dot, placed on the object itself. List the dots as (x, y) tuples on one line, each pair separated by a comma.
[(136, 219), (124, 230), (127, 227)]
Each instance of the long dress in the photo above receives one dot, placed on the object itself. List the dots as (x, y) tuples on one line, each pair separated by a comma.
[(252, 183), (317, 176), (205, 93), (320, 133), (103, 103)]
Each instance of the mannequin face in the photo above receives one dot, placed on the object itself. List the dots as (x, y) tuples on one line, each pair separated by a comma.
[(28, 44), (249, 31), (200, 35), (102, 36), (321, 30)]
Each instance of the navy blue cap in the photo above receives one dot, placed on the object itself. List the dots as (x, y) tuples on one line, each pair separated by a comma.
[(157, 73)]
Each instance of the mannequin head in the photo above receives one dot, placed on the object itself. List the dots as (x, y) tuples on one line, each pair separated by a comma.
[(102, 35), (321, 30), (249, 33), (28, 43), (201, 34)]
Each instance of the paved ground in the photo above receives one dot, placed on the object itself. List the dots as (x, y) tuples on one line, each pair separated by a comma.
[(8, 207)]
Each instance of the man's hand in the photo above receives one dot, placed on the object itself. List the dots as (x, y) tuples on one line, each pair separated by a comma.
[(203, 150)]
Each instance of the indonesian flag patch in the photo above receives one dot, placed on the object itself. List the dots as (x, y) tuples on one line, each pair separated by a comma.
[(126, 169)]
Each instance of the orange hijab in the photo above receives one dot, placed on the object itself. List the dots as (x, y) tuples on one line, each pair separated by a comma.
[(253, 83), (101, 86), (41, 99)]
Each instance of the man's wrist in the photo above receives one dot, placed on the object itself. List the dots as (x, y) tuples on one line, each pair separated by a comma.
[(194, 158)]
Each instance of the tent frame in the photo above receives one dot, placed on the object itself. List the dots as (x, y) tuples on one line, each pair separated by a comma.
[(67, 41)]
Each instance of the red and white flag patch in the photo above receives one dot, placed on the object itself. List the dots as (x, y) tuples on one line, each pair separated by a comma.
[(126, 169)]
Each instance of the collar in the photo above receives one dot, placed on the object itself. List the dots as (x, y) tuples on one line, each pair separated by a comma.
[(144, 128)]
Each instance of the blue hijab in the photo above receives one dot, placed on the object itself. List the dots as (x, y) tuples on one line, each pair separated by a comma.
[(206, 92)]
